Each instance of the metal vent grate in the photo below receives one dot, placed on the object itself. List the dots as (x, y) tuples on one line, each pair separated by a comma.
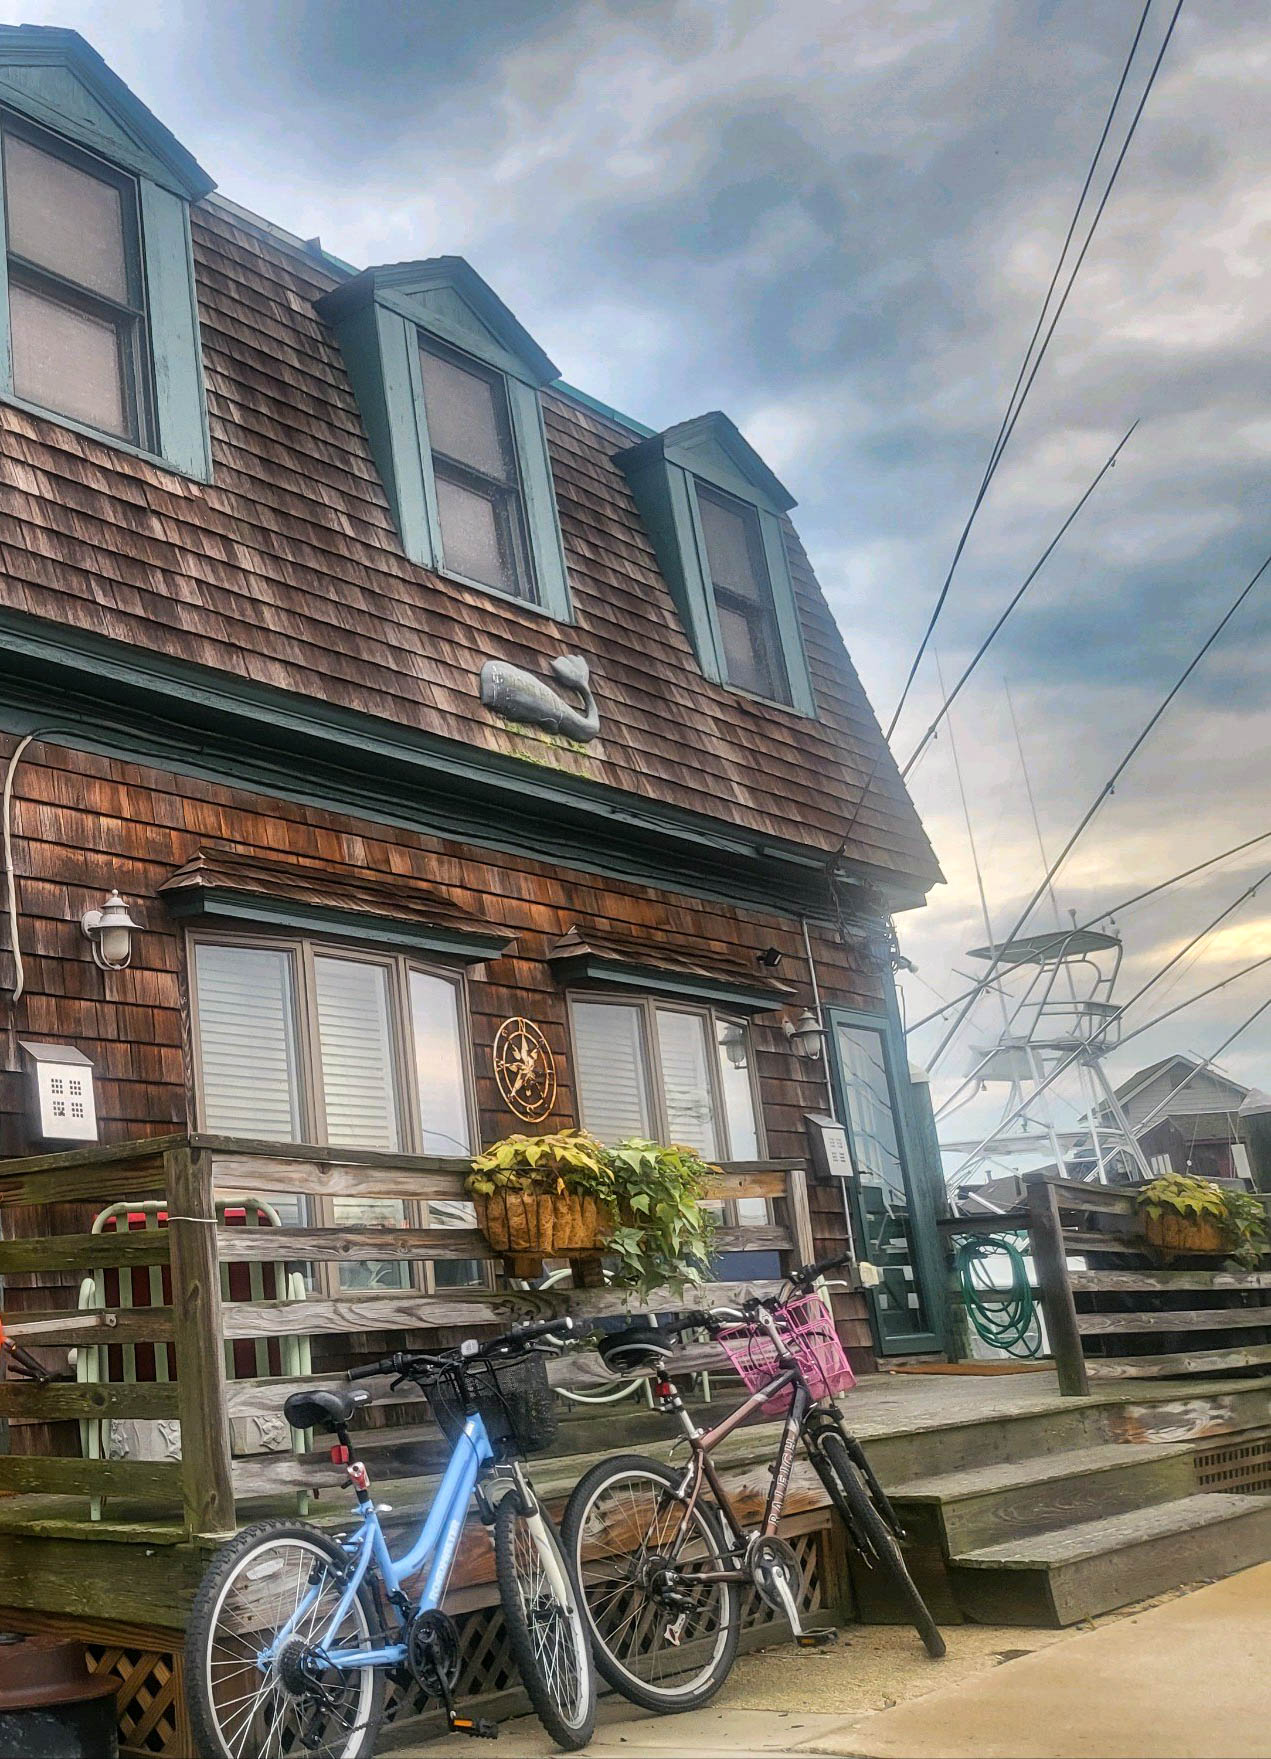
[(1243, 1464)]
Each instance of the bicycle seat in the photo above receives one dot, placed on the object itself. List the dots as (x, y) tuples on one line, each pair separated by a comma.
[(638, 1346), (325, 1407)]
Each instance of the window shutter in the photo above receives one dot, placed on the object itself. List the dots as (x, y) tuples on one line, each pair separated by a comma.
[(540, 500), (686, 1082), (356, 1044), (180, 405), (613, 1089), (247, 1041)]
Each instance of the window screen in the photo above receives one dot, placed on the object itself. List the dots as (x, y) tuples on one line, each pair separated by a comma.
[(247, 1042), (613, 1081), (742, 590), (75, 308), (479, 501)]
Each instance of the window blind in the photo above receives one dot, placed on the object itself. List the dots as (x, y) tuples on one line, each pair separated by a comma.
[(613, 1088), (356, 1046), (686, 1082), (247, 1037)]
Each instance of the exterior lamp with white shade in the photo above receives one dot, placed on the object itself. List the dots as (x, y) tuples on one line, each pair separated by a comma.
[(807, 1039), (110, 931)]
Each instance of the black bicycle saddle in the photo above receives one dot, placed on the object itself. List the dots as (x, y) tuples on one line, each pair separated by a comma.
[(638, 1346), (324, 1407)]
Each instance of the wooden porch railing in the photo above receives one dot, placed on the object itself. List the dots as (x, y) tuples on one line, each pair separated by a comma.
[(188, 1173), (1129, 1314)]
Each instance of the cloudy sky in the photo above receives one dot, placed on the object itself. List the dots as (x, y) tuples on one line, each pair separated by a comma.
[(836, 219)]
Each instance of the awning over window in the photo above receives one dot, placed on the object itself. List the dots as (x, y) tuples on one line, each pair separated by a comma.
[(650, 965), (220, 885)]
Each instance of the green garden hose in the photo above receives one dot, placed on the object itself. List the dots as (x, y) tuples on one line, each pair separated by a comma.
[(1005, 1317)]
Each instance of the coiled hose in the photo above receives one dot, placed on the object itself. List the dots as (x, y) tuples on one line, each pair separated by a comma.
[(1005, 1318)]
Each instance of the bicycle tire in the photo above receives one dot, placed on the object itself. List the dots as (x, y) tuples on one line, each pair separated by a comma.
[(207, 1716), (600, 1606), (850, 1494), (563, 1695)]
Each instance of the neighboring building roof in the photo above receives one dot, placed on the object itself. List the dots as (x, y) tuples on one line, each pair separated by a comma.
[(1180, 1086), (286, 571)]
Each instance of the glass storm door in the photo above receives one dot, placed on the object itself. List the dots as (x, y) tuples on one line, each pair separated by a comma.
[(893, 1229)]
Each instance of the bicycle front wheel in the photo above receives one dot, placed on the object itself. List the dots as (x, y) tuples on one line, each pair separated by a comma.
[(850, 1493), (258, 1686), (663, 1637), (544, 1621)]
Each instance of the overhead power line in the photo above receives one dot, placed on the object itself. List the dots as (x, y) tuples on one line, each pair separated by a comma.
[(1035, 353), (993, 633), (1107, 788)]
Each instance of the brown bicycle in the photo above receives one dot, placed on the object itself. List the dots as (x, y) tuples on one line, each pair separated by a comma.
[(662, 1553)]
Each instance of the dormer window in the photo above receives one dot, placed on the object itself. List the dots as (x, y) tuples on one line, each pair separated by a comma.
[(447, 383), (98, 330), (714, 511), (78, 330), (480, 508), (749, 638)]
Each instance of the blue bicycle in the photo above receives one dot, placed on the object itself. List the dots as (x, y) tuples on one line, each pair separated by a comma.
[(293, 1631)]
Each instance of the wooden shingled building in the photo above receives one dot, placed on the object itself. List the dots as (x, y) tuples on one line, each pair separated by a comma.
[(401, 690)]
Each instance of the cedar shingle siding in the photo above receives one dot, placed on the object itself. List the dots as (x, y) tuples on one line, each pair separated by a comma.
[(287, 570)]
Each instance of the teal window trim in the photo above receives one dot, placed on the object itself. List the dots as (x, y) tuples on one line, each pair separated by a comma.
[(212, 904), (663, 473), (39, 70), (379, 320)]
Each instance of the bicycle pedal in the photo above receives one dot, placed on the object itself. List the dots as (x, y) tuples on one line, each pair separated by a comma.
[(476, 1726), (817, 1639)]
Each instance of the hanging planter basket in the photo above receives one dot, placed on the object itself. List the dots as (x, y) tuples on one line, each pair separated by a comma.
[(1171, 1232), (561, 1225)]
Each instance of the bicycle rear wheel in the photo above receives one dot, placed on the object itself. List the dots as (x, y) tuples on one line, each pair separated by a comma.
[(279, 1577), (873, 1537), (546, 1629), (662, 1637)]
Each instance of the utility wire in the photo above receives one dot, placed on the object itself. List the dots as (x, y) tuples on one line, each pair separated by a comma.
[(1104, 916), (1023, 382), (993, 633), (1108, 788), (1208, 1062), (1030, 364)]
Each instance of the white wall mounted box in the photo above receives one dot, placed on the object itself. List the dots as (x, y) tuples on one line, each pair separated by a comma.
[(64, 1103)]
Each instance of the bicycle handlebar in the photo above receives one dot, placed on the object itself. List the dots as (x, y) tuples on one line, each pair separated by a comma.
[(809, 1273), (407, 1362)]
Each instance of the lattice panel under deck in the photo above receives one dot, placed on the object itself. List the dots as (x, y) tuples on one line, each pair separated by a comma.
[(148, 1705), (1242, 1464)]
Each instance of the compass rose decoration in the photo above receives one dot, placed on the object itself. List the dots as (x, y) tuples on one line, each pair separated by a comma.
[(525, 1069)]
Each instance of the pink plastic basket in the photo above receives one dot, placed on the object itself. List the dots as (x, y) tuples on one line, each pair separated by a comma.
[(807, 1325)]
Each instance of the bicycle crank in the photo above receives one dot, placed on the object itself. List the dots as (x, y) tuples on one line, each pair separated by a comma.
[(774, 1569)]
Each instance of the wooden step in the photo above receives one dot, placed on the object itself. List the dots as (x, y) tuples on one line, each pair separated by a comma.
[(989, 1504), (1075, 1572)]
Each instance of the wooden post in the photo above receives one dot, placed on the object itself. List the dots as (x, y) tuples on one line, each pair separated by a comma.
[(800, 1215), (198, 1333), (1045, 1241)]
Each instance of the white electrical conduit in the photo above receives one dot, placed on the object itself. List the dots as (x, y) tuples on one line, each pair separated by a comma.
[(10, 878)]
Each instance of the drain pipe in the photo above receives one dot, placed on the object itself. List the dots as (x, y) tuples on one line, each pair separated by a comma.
[(865, 1271), (11, 883)]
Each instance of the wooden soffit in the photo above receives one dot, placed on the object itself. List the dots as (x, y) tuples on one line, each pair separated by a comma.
[(223, 886)]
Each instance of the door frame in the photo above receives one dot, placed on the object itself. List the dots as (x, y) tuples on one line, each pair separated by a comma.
[(927, 1257)]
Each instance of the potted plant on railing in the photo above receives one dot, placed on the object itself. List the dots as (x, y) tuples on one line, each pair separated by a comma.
[(1185, 1214), (567, 1195)]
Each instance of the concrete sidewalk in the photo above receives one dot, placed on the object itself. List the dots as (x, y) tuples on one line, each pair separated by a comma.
[(1186, 1678)]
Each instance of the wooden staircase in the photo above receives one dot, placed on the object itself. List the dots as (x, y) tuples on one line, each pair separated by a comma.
[(1061, 1518)]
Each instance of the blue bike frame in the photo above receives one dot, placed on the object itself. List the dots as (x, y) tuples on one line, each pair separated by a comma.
[(439, 1540)]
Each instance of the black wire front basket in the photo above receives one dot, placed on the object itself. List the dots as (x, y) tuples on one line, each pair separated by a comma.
[(513, 1398)]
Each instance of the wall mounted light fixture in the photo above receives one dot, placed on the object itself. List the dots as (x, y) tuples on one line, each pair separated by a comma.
[(806, 1036), (732, 1039), (110, 931)]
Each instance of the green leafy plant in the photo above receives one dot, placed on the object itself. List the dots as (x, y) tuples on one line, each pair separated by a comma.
[(658, 1227), (1240, 1217)]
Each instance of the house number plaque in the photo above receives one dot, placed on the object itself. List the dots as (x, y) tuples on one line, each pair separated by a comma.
[(524, 1069)]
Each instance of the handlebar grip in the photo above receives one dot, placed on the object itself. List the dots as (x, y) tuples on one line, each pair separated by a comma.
[(368, 1370), (810, 1272), (538, 1328)]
